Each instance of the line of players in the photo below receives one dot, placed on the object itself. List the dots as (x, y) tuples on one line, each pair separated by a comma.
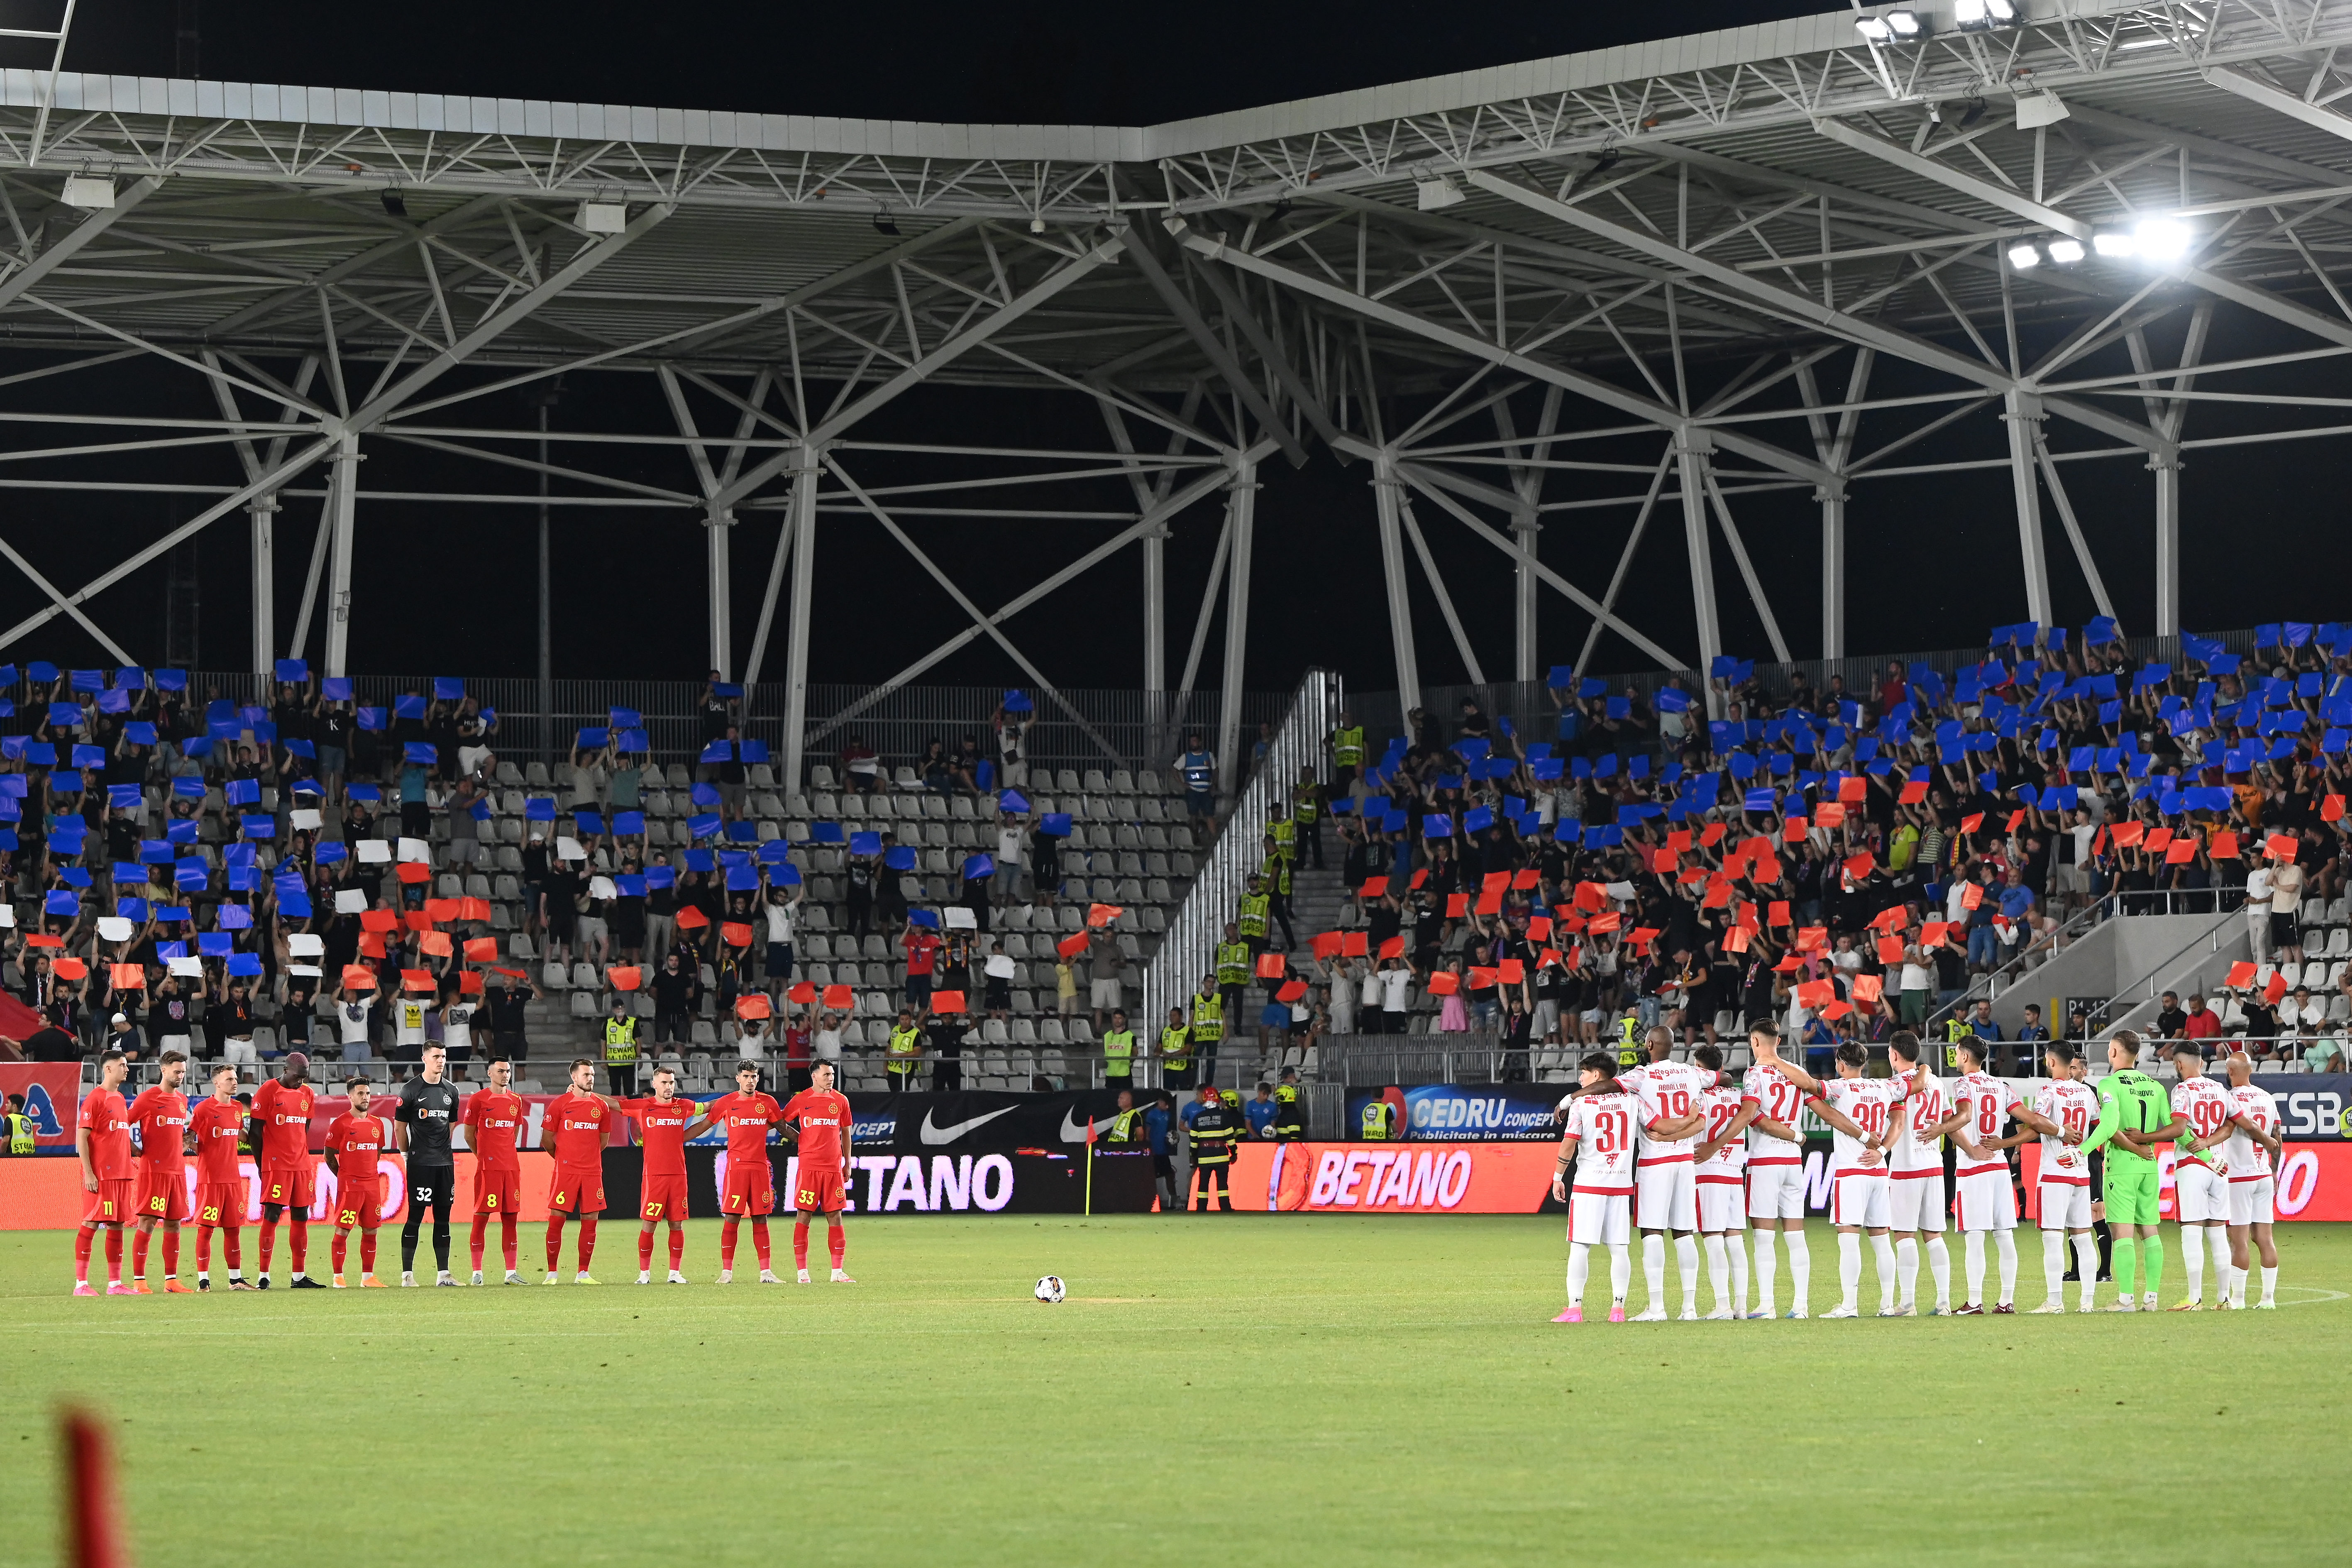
[(1701, 1159), (149, 1189)]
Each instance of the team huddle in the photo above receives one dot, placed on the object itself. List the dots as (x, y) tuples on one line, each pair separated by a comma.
[(1671, 1148), (146, 1188)]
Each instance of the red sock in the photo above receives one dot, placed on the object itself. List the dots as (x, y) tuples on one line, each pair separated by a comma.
[(268, 1243), (82, 1239), (297, 1244), (759, 1241), (507, 1240), (800, 1245), (367, 1251), (646, 1250), (587, 1240), (836, 1242), (727, 1245), (338, 1248), (229, 1247), (481, 1235), (170, 1255), (677, 1245), (204, 1249), (554, 1241), (139, 1254), (114, 1255)]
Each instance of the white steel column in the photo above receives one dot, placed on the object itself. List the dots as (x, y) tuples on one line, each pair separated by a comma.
[(2021, 412), (1155, 642), (1524, 532), (1387, 494), (1833, 571), (1692, 449), (803, 522), (1241, 510), (345, 470), (2168, 542), (263, 514), (718, 523)]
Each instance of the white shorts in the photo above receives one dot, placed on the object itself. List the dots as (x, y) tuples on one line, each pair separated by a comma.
[(2250, 1201), (1547, 1019), (1596, 1219), (2065, 1206), (1915, 1201), (1667, 1196), (1720, 1204), (1776, 1192), (1859, 1197), (1986, 1201), (1107, 994), (239, 1052), (2201, 1195)]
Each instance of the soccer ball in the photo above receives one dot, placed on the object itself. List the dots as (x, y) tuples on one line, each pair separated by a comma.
[(1050, 1289)]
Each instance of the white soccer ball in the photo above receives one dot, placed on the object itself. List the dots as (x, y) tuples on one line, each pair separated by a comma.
[(1050, 1289)]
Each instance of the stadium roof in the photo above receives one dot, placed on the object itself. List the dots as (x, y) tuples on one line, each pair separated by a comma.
[(1710, 240)]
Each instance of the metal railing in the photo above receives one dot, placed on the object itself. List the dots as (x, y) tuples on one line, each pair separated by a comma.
[(1188, 949)]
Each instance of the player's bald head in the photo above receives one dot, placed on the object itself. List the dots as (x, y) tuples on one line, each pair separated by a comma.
[(1661, 1042)]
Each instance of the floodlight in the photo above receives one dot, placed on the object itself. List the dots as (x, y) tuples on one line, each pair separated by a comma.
[(89, 190), (395, 204), (2162, 238), (1431, 194), (1983, 16), (1906, 24), (2023, 256), (603, 217), (2114, 242), (1036, 226), (884, 223), (2003, 12), (1874, 29), (2065, 252)]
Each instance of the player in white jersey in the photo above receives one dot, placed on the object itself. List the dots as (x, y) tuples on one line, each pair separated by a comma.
[(2248, 1161), (2067, 1108), (2201, 1193), (1915, 1188), (1776, 1169), (1600, 1138), (1983, 1200), (1718, 1163), (1865, 1115), (1664, 1186)]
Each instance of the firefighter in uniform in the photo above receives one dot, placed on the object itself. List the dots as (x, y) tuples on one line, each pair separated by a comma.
[(1216, 1127), (1208, 1026), (1234, 963), (1289, 1110), (906, 1050), (1176, 1052), (621, 1048), (1380, 1120), (1306, 811)]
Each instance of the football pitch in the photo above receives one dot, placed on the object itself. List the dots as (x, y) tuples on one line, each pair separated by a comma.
[(1250, 1388)]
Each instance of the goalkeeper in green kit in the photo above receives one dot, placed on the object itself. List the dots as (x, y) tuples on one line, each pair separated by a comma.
[(2136, 1119)]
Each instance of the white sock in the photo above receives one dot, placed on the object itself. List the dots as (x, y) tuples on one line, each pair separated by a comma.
[(1768, 1265), (2192, 1258), (1580, 1268), (1940, 1264), (1737, 1256), (1654, 1271), (1621, 1272), (1882, 1250), (2087, 1266), (1850, 1271), (1719, 1272), (1975, 1249), (1906, 1270), (2006, 1241), (2270, 1283), (2237, 1288), (2054, 1265), (1686, 1270), (1801, 1270), (2219, 1236)]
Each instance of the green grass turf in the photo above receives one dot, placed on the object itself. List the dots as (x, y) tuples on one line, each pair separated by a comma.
[(1246, 1388)]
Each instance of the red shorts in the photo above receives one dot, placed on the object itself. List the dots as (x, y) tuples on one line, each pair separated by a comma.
[(114, 1203), (358, 1199), (221, 1203), (498, 1191), (751, 1189), (819, 1190), (576, 1192), (294, 1186), (661, 1198), (162, 1195)]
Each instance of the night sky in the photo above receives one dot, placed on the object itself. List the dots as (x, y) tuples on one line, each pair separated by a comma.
[(1933, 561)]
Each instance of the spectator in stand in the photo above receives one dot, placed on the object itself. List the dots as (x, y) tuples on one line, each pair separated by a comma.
[(1012, 731), (2199, 1022), (923, 948), (1109, 993), (2171, 1023), (677, 992), (861, 769), (1045, 866), (939, 769), (1010, 833), (2258, 913), (2287, 905), (1198, 767)]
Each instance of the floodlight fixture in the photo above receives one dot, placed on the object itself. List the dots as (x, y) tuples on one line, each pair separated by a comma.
[(395, 204), (93, 191), (883, 223), (603, 217), (2115, 244), (2162, 238), (2022, 256), (2065, 252), (1431, 194)]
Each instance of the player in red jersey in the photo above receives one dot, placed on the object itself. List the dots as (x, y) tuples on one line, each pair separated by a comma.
[(102, 1143), (662, 1120), (160, 1115), (356, 1142), (281, 1110), (494, 1119), (216, 1124), (748, 1116), (574, 1125), (822, 1118)]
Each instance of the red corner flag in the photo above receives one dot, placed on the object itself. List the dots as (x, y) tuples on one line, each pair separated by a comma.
[(95, 1517)]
